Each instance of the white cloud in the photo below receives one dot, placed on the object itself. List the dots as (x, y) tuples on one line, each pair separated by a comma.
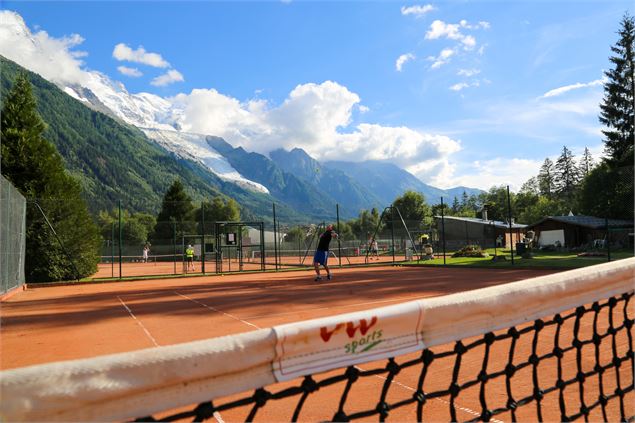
[(124, 53), (132, 72), (495, 172), (561, 90), (468, 72), (401, 60), (439, 29), (462, 85), (167, 78), (52, 58), (417, 11), (442, 58), (459, 86), (314, 117)]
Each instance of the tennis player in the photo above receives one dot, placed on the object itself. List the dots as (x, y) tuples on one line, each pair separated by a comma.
[(321, 255)]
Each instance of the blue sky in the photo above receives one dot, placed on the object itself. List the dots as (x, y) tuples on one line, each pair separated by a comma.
[(501, 85)]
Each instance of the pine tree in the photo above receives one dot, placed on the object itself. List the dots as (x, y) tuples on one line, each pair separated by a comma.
[(36, 169), (546, 178), (567, 174), (618, 106), (456, 206), (586, 163), (176, 217)]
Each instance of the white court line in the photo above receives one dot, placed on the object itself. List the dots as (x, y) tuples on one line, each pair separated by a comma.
[(139, 322), (217, 310), (336, 307), (467, 410)]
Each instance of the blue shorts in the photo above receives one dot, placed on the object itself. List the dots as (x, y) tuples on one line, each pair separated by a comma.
[(321, 257)]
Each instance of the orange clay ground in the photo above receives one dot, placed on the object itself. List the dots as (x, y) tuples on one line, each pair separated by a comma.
[(42, 325)]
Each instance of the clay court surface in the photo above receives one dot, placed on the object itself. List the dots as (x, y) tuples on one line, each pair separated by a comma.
[(42, 325)]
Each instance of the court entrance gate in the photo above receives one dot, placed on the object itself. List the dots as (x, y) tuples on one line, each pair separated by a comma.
[(235, 247)]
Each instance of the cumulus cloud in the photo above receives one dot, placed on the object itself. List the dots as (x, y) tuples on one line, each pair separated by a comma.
[(401, 60), (439, 29), (132, 72), (167, 78), (442, 58), (124, 53), (418, 11), (561, 90), (494, 172), (316, 118), (53, 58)]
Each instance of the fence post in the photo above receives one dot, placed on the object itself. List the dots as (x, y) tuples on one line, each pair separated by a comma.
[(275, 238), (112, 251), (392, 232), (511, 234), (339, 244), (203, 236), (119, 243), (443, 229), (608, 239), (174, 244)]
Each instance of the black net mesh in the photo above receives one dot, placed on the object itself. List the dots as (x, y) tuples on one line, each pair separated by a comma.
[(571, 366)]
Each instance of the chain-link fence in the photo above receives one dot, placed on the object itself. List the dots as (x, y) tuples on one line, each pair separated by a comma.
[(12, 237)]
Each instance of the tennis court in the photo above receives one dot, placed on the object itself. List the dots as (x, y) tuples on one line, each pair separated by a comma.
[(42, 325)]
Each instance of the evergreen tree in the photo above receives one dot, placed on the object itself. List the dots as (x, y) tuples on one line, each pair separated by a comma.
[(608, 190), (456, 206), (567, 174), (176, 217), (36, 169), (618, 106), (546, 178), (586, 163)]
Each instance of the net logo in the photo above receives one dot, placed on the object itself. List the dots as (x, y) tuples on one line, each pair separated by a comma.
[(366, 342)]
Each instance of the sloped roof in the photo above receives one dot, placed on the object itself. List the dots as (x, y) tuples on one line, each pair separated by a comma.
[(587, 221), (496, 223)]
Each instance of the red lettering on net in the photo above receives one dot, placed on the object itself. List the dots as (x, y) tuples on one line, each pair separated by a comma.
[(363, 327)]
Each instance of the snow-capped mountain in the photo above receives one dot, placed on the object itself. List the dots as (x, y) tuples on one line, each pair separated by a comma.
[(158, 119)]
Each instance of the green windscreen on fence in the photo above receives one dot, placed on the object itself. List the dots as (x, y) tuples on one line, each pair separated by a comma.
[(12, 236)]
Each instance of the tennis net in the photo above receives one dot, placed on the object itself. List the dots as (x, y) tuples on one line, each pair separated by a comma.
[(557, 347)]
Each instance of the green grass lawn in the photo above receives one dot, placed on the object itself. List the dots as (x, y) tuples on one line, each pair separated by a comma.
[(565, 260)]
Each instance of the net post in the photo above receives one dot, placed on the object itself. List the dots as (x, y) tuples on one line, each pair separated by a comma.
[(339, 244), (511, 233), (119, 241), (203, 236), (443, 229)]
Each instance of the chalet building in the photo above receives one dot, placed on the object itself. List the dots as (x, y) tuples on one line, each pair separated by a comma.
[(461, 231), (578, 231)]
